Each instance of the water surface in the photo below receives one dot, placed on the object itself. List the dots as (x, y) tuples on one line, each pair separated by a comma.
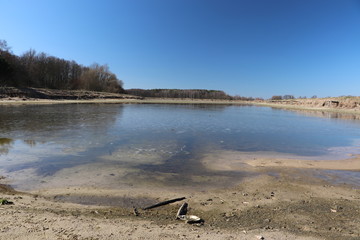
[(160, 143)]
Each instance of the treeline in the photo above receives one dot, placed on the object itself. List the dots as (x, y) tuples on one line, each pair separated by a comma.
[(288, 97), (185, 93), (40, 70), (179, 93)]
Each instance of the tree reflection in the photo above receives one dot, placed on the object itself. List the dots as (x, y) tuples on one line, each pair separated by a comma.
[(46, 122), (328, 114), (31, 143), (5, 145)]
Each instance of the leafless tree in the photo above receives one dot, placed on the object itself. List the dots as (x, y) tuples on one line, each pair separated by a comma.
[(33, 69)]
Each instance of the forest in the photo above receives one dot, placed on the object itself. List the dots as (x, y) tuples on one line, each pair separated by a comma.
[(179, 93), (40, 70), (187, 93)]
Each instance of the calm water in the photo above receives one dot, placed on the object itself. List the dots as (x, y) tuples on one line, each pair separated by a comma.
[(44, 141)]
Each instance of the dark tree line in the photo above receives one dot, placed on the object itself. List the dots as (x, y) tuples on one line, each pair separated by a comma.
[(288, 97), (40, 70), (185, 93), (179, 93), (285, 97)]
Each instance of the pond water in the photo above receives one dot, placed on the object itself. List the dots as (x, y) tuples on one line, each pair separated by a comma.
[(162, 142)]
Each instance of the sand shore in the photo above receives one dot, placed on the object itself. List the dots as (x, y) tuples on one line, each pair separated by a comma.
[(304, 105), (288, 204)]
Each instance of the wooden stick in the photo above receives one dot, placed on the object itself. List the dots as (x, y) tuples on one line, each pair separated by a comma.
[(164, 203)]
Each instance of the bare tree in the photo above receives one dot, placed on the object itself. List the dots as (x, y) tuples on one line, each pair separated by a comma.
[(34, 69), (286, 97), (276, 97), (180, 93), (4, 46)]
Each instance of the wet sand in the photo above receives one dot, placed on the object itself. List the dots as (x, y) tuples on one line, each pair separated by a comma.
[(290, 203), (244, 160)]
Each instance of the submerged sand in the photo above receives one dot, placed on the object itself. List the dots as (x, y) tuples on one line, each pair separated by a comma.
[(282, 200), (243, 160)]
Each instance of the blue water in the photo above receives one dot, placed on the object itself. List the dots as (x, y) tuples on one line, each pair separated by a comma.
[(161, 138)]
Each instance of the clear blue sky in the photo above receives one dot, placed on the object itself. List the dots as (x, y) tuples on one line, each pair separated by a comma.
[(253, 48)]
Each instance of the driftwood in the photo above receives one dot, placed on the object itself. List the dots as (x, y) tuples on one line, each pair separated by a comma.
[(164, 203), (135, 211)]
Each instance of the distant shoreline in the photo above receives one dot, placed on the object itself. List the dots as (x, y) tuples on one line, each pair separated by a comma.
[(16, 96), (29, 101)]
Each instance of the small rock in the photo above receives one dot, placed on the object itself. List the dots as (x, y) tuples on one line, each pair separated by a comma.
[(5, 202), (191, 219), (260, 237), (182, 210), (135, 211)]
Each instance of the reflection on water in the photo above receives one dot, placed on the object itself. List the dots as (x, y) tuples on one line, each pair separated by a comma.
[(30, 143), (50, 137), (161, 143), (5, 141), (5, 144), (328, 114)]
